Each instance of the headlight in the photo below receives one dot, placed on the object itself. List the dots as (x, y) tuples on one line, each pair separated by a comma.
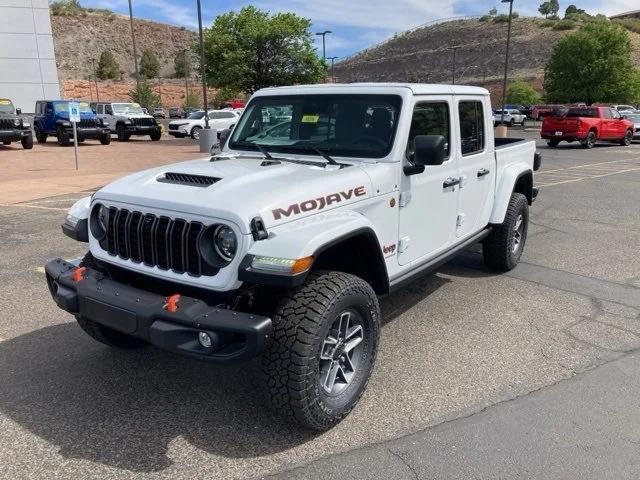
[(103, 217), (128, 122), (16, 122), (99, 221), (66, 124), (26, 125), (225, 242)]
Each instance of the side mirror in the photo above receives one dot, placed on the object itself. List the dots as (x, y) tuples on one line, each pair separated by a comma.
[(18, 111), (49, 111), (224, 136), (430, 150)]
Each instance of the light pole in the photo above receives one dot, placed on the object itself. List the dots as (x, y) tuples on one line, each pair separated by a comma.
[(187, 71), (133, 43), (95, 78), (324, 48), (333, 59), (202, 68), (506, 61), (453, 65)]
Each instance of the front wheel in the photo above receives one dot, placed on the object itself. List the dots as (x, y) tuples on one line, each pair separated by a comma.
[(155, 136), (6, 142), (27, 142), (105, 138), (122, 133), (63, 137), (553, 143), (503, 248), (323, 349), (628, 138), (195, 133)]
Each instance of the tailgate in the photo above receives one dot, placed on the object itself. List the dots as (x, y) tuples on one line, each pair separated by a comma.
[(560, 126)]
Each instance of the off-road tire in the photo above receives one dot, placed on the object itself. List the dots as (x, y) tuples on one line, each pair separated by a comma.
[(27, 142), (628, 138), (195, 132), (499, 250), (156, 136), (105, 139), (103, 334), (291, 363), (123, 136), (553, 143), (63, 137), (512, 122), (590, 141), (41, 137)]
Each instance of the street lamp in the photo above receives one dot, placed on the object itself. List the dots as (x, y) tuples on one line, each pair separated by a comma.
[(506, 61), (133, 43), (453, 65), (202, 68), (324, 49), (95, 78), (333, 59)]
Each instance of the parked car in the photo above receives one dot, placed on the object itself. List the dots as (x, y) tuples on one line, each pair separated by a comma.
[(233, 104), (588, 125), (193, 125), (538, 112), (176, 112), (188, 111), (52, 118), (635, 119), (280, 248), (13, 127), (127, 119), (624, 108), (159, 113), (511, 117)]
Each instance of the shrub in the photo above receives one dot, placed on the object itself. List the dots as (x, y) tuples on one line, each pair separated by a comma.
[(485, 18), (548, 23), (565, 25), (503, 18)]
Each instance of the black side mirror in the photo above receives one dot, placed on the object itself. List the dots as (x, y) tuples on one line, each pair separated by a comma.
[(18, 111), (429, 150), (49, 111), (224, 136)]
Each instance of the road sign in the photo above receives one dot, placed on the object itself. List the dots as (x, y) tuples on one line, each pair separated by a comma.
[(74, 112)]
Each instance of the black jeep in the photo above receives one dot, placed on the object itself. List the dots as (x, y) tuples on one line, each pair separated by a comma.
[(12, 127)]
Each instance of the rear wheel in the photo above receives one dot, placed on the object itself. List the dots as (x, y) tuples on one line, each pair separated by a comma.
[(63, 137), (103, 334), (27, 142), (512, 122), (590, 141), (553, 143), (628, 138), (323, 348), (503, 248)]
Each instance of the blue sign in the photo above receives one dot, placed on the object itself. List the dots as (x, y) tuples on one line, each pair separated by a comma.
[(74, 112)]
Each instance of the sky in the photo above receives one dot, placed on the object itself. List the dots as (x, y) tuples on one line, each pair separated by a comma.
[(356, 24)]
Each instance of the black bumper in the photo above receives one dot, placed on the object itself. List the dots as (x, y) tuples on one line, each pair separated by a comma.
[(236, 336), (142, 129), (14, 135), (89, 133)]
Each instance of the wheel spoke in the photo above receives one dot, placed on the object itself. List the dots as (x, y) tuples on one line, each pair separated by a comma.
[(329, 377), (357, 330), (347, 363), (344, 325), (351, 344), (326, 353)]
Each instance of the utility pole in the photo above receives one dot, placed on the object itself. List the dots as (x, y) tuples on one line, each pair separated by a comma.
[(453, 65), (95, 78), (333, 59), (324, 47), (202, 68), (133, 43), (506, 61), (187, 71)]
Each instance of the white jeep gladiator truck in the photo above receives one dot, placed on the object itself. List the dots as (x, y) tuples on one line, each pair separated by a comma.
[(323, 199)]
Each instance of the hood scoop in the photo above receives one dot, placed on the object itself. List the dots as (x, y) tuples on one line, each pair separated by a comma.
[(188, 179)]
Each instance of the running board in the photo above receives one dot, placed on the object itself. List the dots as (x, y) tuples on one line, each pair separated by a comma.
[(432, 264)]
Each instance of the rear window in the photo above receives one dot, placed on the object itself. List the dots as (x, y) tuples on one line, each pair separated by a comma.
[(583, 112)]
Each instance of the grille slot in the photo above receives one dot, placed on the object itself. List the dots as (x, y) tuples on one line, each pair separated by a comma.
[(156, 241), (142, 122), (87, 123), (6, 124), (188, 179)]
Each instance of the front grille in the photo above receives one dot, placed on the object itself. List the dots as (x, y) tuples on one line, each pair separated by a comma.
[(87, 123), (188, 179), (156, 241), (142, 122), (6, 124), (173, 126)]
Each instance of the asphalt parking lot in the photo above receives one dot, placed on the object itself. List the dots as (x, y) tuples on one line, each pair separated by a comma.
[(454, 346)]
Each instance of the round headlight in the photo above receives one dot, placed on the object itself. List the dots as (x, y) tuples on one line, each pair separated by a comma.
[(16, 122), (99, 221), (103, 217), (225, 242)]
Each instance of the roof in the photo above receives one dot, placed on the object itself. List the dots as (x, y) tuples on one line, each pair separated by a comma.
[(632, 13), (415, 88)]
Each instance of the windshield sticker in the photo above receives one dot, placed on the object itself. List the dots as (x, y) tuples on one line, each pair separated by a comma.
[(310, 118)]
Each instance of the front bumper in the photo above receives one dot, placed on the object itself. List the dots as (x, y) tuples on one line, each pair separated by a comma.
[(566, 136), (93, 133), (236, 336), (14, 135), (143, 129)]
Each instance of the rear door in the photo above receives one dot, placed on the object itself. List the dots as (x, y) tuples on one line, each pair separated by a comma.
[(476, 166), (427, 206), (618, 127)]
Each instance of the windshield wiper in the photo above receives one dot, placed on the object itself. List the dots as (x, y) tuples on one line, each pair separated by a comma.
[(266, 154), (324, 155)]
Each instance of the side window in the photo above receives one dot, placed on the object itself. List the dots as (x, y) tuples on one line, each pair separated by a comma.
[(615, 114), (108, 110), (430, 119), (49, 108), (100, 109), (471, 127), (606, 113)]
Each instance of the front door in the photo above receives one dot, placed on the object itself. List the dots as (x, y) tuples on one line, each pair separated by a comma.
[(427, 205), (476, 165)]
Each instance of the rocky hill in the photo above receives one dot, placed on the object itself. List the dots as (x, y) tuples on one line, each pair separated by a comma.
[(426, 54)]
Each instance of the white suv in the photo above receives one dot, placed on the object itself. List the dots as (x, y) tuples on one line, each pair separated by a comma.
[(194, 123)]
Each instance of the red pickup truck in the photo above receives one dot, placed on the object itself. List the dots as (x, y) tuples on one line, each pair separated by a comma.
[(588, 125)]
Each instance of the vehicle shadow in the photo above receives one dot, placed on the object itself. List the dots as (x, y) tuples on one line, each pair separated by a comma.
[(124, 408)]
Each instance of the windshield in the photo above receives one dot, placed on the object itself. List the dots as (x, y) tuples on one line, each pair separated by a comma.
[(583, 112), (343, 125), (127, 109), (6, 106), (63, 107), (195, 115)]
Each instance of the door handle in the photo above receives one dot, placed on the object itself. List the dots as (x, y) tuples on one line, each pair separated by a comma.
[(450, 182), (482, 172)]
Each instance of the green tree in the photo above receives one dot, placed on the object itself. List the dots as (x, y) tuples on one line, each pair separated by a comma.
[(252, 49), (593, 65), (144, 95), (545, 9), (193, 100), (108, 68), (554, 7), (573, 10), (493, 12), (520, 92), (149, 64), (182, 64)]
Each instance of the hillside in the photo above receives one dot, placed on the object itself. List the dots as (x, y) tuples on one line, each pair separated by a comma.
[(80, 38), (425, 54)]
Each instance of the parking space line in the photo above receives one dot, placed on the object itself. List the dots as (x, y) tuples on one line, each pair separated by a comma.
[(572, 180), (38, 207), (59, 200), (591, 165)]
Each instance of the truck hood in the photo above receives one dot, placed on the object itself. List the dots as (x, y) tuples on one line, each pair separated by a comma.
[(243, 188)]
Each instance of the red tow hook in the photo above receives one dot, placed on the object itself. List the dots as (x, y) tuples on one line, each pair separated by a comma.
[(172, 303), (78, 274)]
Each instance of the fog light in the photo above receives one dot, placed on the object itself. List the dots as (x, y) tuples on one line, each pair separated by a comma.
[(204, 339)]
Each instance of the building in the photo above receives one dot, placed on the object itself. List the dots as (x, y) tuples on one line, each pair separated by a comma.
[(28, 69), (631, 14)]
